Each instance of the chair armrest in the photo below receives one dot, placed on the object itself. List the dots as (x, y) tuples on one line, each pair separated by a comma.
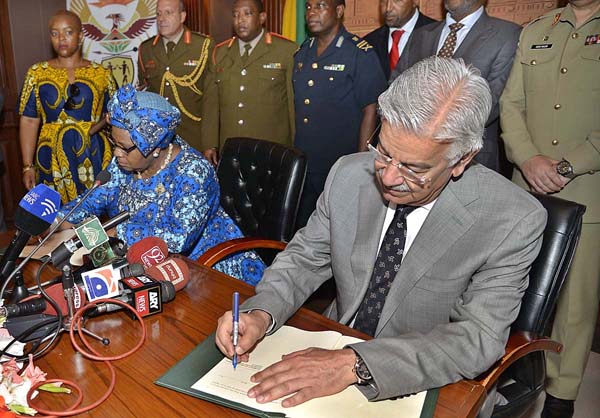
[(519, 344), (224, 249)]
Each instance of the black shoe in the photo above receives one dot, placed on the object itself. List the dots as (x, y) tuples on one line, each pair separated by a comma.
[(557, 408)]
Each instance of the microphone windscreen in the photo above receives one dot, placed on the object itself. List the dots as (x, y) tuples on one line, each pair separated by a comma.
[(149, 251), (167, 291), (103, 177), (42, 203), (174, 270), (57, 293)]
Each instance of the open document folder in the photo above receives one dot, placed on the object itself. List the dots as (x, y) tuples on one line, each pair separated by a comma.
[(54, 241), (206, 374)]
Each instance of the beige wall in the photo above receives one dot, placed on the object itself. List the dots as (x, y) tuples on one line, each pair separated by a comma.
[(362, 16)]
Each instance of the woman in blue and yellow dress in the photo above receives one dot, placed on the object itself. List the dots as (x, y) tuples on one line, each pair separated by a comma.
[(67, 96)]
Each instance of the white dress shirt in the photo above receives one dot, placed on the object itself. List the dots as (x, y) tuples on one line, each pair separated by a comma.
[(407, 28), (468, 21)]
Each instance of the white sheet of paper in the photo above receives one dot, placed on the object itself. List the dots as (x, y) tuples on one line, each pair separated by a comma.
[(226, 383)]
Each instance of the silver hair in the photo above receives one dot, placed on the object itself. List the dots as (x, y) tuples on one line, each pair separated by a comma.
[(443, 99)]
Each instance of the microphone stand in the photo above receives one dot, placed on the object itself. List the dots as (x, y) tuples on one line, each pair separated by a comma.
[(52, 230), (68, 284)]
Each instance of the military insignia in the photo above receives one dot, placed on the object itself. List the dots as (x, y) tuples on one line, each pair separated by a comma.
[(592, 39), (556, 19), (334, 67), (364, 45), (339, 42), (541, 46), (151, 64), (273, 66), (191, 63), (545, 38), (355, 38)]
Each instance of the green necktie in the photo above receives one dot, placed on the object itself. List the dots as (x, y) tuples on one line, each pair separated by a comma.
[(246, 54), (170, 48)]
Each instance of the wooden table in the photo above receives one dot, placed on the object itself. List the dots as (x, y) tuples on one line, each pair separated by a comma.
[(171, 335)]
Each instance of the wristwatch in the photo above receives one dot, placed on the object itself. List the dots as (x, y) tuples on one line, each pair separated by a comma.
[(565, 169), (362, 373)]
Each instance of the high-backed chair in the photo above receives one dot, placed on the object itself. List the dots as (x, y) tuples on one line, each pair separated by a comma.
[(520, 374), (261, 183)]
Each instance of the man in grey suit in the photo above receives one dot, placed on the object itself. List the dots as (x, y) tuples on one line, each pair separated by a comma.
[(489, 44), (449, 282)]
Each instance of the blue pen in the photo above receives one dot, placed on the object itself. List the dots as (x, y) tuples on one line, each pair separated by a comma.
[(236, 319)]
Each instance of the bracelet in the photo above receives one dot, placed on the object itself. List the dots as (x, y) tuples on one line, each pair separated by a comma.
[(28, 167)]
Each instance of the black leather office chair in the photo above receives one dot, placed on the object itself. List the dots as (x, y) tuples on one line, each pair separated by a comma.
[(521, 372), (261, 183)]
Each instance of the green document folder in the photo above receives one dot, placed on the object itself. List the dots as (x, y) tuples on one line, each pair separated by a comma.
[(206, 355)]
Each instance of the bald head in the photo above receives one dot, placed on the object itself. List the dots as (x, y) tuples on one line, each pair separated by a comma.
[(69, 15)]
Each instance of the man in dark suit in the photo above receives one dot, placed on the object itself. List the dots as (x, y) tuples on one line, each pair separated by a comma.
[(400, 16), (489, 44)]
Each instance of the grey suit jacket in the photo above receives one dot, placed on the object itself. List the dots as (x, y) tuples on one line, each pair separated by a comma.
[(490, 46), (448, 312)]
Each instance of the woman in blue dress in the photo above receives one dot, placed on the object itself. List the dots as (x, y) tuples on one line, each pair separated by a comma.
[(168, 188)]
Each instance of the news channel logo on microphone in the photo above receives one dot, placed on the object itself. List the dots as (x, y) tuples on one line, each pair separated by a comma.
[(42, 202), (101, 283)]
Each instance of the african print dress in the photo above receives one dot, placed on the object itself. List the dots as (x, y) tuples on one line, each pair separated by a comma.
[(67, 158)]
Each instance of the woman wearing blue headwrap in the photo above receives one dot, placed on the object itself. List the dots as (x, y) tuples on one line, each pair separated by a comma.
[(169, 189)]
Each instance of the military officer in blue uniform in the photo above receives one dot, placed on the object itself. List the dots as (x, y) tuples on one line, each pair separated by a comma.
[(337, 80)]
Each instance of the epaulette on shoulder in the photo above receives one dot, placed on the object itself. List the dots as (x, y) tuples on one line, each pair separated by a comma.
[(280, 36), (361, 43), (227, 42), (554, 14)]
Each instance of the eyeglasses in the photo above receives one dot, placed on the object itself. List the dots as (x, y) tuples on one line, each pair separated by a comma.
[(405, 172), (115, 145), (73, 92)]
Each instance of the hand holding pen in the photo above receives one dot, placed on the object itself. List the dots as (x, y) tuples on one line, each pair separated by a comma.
[(236, 323)]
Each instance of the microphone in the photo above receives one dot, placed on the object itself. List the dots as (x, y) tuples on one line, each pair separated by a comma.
[(36, 211), (147, 299), (41, 305), (63, 252), (174, 270), (103, 282), (149, 251)]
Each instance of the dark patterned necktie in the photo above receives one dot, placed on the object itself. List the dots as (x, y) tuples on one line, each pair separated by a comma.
[(170, 48), (386, 267), (447, 50)]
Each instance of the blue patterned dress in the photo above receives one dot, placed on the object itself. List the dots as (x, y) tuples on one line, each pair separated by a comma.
[(180, 204)]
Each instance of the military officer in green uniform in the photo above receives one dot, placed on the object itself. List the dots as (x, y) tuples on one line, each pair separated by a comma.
[(175, 65), (254, 79), (550, 114)]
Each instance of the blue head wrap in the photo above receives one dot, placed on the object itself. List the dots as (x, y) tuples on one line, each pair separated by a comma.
[(149, 118)]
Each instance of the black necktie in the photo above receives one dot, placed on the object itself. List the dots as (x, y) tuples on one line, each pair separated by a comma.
[(387, 265)]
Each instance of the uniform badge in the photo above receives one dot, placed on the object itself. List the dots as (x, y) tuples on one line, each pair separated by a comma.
[(556, 19), (364, 45), (541, 46), (355, 38), (335, 67), (151, 64), (273, 66), (191, 63), (592, 39)]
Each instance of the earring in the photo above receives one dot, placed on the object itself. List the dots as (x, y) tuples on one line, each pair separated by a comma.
[(156, 154)]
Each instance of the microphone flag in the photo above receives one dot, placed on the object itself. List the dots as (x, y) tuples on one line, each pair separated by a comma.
[(90, 233), (102, 254), (41, 201)]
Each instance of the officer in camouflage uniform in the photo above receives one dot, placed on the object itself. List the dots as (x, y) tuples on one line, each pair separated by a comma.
[(550, 115), (175, 65), (256, 96)]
